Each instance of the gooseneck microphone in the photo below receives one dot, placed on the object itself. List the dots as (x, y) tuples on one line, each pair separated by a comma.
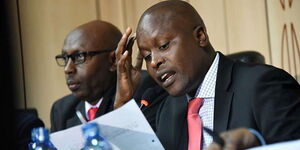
[(147, 97)]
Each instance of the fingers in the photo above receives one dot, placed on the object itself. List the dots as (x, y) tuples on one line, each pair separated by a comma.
[(124, 91), (239, 138), (139, 61), (122, 44), (228, 146), (121, 67), (214, 146), (230, 138), (230, 141), (130, 43)]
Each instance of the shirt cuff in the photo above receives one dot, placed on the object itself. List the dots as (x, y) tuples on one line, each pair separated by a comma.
[(258, 136)]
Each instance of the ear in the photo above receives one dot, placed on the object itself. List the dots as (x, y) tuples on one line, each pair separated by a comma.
[(201, 36), (112, 60)]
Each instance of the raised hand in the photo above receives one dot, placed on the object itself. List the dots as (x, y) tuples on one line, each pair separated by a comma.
[(128, 76)]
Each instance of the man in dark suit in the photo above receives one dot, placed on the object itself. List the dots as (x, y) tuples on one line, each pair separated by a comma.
[(88, 60), (173, 40), (89, 65)]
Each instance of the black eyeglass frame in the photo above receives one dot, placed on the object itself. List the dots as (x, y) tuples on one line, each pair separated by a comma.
[(66, 57)]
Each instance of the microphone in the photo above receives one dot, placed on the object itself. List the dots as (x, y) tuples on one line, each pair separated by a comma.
[(149, 95), (144, 103)]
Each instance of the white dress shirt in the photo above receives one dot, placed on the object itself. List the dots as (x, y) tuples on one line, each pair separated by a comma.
[(88, 106), (206, 90)]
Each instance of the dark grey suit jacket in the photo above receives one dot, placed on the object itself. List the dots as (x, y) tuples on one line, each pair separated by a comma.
[(253, 96), (63, 112)]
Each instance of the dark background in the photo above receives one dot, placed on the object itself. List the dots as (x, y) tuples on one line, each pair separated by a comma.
[(7, 95)]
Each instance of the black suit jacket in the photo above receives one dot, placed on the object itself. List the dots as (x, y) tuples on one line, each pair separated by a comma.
[(63, 112), (253, 96)]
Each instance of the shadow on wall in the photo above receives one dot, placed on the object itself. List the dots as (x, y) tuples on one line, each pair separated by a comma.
[(250, 57)]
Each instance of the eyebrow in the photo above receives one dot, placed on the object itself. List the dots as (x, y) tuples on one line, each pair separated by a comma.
[(74, 51)]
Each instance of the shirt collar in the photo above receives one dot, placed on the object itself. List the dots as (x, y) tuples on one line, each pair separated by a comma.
[(88, 106), (207, 87)]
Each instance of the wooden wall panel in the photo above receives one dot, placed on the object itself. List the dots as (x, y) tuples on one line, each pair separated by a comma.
[(247, 26), (134, 10), (114, 12), (44, 25), (214, 17), (124, 14), (284, 33)]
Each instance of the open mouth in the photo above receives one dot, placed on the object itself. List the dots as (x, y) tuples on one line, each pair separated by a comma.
[(167, 78)]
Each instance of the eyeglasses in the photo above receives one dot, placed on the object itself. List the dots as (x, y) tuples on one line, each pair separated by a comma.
[(77, 58)]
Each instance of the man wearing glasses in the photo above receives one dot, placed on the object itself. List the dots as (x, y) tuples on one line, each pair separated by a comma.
[(88, 60)]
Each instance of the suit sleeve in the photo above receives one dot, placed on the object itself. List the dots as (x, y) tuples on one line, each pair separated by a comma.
[(276, 105)]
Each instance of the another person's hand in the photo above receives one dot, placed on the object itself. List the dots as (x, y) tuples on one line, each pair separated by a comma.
[(236, 139), (128, 76)]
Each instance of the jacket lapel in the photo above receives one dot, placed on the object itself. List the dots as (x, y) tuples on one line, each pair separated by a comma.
[(223, 97), (107, 102), (74, 120), (180, 131), (172, 128), (105, 106)]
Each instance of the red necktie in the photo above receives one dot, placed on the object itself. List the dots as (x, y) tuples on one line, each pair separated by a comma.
[(92, 112), (194, 124)]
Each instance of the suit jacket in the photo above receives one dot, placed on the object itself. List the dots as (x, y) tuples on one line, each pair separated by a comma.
[(158, 95), (253, 96), (63, 112)]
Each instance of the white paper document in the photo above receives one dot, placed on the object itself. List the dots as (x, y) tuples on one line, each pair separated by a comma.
[(125, 128), (289, 145)]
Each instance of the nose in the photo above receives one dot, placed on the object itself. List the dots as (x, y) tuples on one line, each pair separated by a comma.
[(70, 67), (156, 60)]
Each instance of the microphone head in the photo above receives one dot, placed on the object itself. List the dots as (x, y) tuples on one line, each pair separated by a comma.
[(144, 102), (148, 96)]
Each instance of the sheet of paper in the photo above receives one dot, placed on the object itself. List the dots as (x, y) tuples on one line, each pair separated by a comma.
[(289, 145), (125, 128)]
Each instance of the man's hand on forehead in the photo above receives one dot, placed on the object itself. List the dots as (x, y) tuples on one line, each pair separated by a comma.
[(128, 75)]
